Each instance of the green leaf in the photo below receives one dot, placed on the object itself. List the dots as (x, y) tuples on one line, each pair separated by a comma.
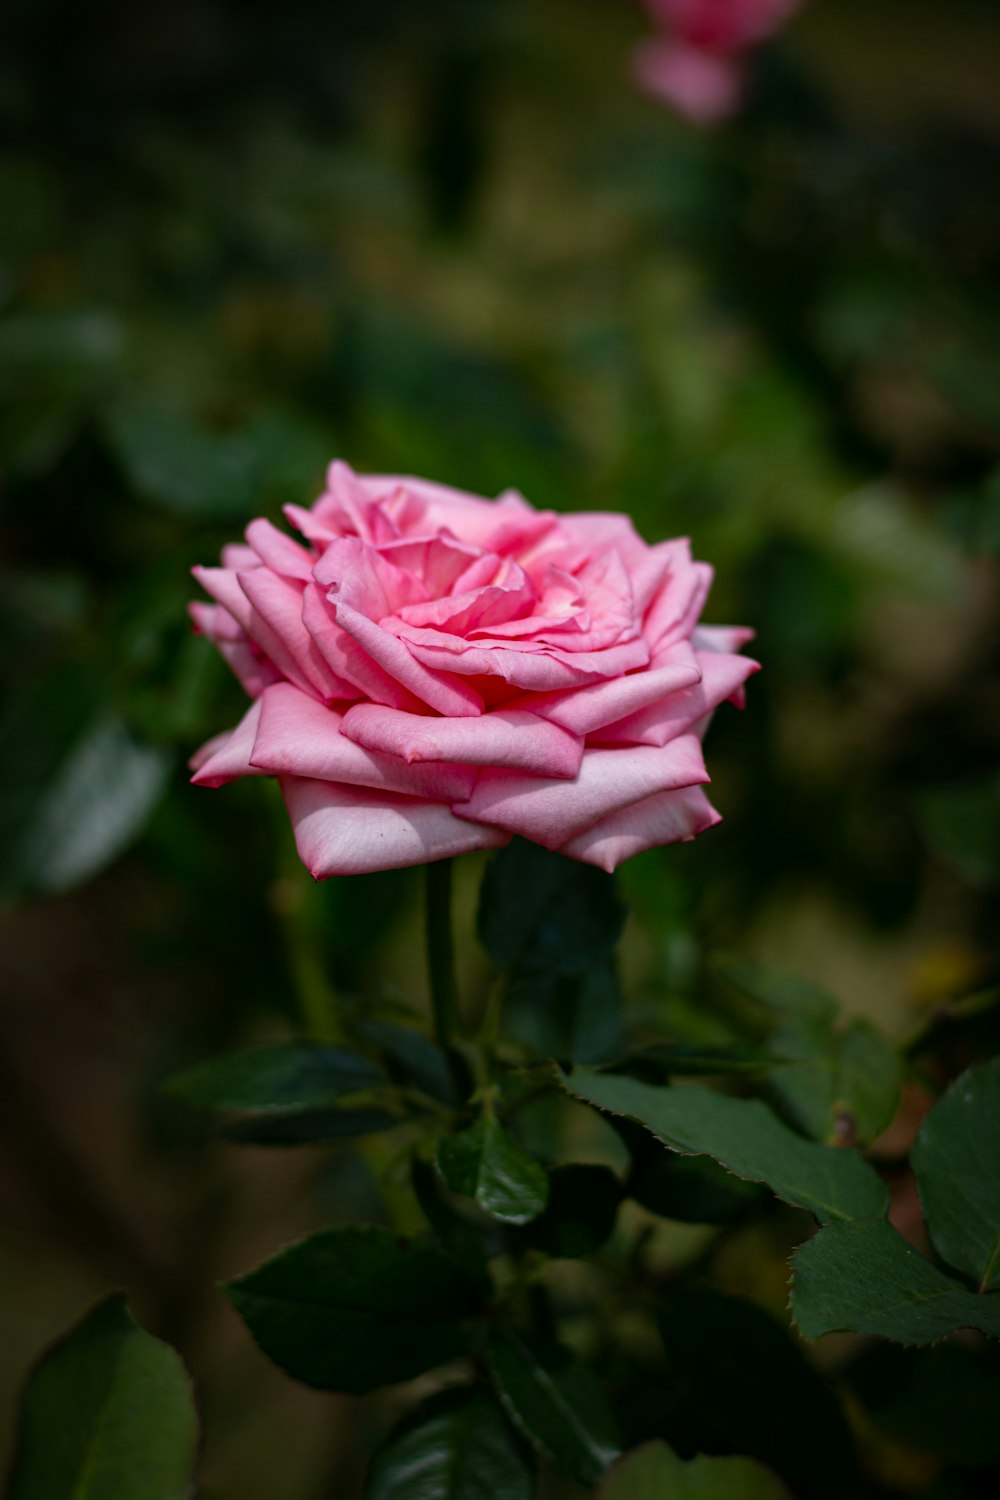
[(786, 993), (556, 1402), (581, 1211), (747, 1138), (463, 1241), (744, 1385), (486, 1163), (865, 1278), (680, 1061), (412, 1058), (654, 1472), (108, 1414), (544, 913), (354, 1308), (576, 1017), (286, 1076), (957, 1164), (457, 1446), (78, 789), (691, 1189), (308, 1127), (842, 1088)]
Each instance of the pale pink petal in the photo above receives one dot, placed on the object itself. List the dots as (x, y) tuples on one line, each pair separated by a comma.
[(277, 604), (542, 669), (227, 756), (677, 605), (511, 738), (343, 830), (437, 560), (279, 551), (394, 657), (241, 655), (664, 818), (225, 587), (722, 677), (552, 812), (589, 708), (297, 736), (346, 658), (722, 637), (363, 577)]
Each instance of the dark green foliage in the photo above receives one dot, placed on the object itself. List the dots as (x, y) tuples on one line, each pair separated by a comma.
[(745, 1137), (556, 1402), (355, 1308), (543, 913), (287, 1077), (957, 1163), (108, 1414), (865, 1277), (654, 1472), (457, 1446), (580, 1214), (743, 1385), (486, 1163)]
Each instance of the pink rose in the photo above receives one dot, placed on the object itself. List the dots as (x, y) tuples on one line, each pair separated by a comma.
[(695, 62), (432, 673)]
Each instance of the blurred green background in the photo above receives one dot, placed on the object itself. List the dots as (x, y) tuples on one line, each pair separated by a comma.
[(452, 239)]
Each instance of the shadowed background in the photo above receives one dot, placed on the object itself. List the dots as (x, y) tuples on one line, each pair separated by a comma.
[(452, 239)]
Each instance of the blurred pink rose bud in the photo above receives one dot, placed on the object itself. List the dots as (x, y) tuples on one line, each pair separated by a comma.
[(696, 62), (432, 673)]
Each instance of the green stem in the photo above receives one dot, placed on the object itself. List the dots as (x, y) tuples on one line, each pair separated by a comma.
[(441, 962)]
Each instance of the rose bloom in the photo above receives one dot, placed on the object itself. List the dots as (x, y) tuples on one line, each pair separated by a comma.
[(432, 673), (695, 62)]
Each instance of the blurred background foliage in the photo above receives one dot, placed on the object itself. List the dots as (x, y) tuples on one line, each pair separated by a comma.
[(452, 239)]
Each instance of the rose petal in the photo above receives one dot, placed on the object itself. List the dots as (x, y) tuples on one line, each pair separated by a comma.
[(342, 830), (279, 551), (395, 657), (552, 812), (511, 738), (589, 708), (252, 670), (227, 756), (658, 723), (297, 736), (542, 669), (665, 818), (347, 660), (277, 602)]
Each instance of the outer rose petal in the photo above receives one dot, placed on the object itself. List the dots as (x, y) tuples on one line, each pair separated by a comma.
[(297, 736), (553, 812), (664, 818), (512, 738), (252, 670), (590, 708), (278, 602), (227, 756), (224, 586), (342, 830), (722, 677), (277, 550)]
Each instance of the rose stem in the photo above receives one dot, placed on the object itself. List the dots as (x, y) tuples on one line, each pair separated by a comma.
[(441, 963)]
